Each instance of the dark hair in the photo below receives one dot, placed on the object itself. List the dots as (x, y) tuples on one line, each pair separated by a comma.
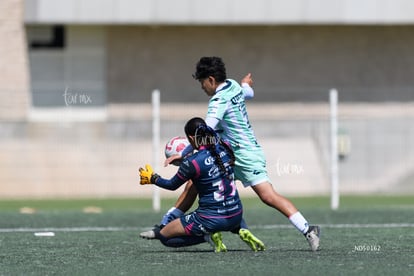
[(210, 66), (206, 136), (192, 125)]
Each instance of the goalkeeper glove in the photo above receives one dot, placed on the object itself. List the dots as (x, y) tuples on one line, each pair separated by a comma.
[(147, 175)]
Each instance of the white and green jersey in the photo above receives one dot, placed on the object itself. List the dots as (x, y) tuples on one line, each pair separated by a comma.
[(227, 107)]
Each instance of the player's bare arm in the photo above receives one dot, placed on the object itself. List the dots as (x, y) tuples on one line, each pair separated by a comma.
[(187, 197)]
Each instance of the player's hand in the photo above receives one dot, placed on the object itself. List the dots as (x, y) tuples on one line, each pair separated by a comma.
[(247, 79), (146, 175), (171, 159)]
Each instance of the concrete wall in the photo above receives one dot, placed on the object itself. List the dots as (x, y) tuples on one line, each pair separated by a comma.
[(72, 75), (100, 168), (100, 159), (123, 64), (220, 11), (14, 77), (289, 63)]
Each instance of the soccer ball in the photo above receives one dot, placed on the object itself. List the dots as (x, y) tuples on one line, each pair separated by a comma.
[(175, 146)]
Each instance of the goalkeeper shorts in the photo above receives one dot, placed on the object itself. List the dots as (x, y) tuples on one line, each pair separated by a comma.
[(198, 223)]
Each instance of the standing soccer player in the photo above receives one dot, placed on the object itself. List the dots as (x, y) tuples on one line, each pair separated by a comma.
[(227, 114)]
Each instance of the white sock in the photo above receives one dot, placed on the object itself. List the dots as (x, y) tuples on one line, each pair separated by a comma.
[(299, 222)]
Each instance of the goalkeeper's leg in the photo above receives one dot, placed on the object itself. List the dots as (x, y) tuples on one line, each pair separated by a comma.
[(171, 215), (254, 243), (215, 241), (251, 240), (175, 235), (180, 241), (183, 204)]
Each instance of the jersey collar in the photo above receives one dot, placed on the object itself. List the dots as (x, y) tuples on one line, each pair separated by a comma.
[(223, 86)]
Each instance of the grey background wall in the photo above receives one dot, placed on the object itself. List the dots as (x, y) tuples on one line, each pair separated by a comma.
[(116, 54), (78, 67), (123, 64), (289, 63)]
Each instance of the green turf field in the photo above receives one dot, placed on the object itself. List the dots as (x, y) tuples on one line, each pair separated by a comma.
[(367, 236)]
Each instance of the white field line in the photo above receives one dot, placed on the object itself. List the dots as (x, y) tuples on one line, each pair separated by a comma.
[(70, 229), (120, 229), (356, 225)]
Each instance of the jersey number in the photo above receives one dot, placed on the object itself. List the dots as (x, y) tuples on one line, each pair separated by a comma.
[(219, 194)]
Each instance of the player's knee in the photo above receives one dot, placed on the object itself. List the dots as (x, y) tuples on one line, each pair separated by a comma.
[(166, 241)]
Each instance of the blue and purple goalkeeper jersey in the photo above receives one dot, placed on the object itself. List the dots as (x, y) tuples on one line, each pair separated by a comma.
[(218, 196)]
